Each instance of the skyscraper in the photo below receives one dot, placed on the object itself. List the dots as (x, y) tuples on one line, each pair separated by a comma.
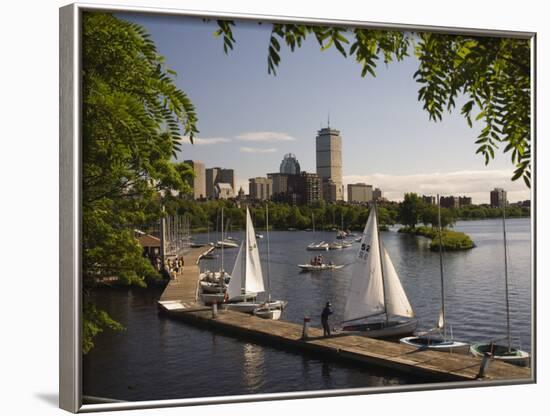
[(198, 182), (328, 146), (498, 196), (290, 165)]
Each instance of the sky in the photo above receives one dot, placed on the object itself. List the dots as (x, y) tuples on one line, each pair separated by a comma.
[(248, 119)]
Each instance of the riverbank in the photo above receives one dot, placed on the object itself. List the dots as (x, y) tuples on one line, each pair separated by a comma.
[(450, 240)]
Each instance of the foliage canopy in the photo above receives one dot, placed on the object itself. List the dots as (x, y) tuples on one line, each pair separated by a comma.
[(132, 114)]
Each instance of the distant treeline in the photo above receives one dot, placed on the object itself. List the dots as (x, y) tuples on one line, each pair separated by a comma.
[(326, 216)]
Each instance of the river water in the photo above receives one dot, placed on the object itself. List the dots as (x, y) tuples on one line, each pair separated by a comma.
[(158, 358)]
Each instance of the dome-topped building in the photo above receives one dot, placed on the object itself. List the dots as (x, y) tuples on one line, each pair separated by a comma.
[(290, 165)]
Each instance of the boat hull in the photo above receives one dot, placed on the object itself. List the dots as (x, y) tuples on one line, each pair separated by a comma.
[(311, 268), (267, 313), (436, 344), (500, 352), (392, 330), (249, 307)]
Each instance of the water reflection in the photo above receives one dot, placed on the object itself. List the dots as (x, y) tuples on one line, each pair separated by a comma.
[(253, 367)]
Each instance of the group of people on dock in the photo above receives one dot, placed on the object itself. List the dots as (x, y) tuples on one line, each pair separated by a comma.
[(172, 266)]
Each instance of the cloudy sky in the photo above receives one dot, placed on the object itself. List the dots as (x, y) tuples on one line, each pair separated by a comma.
[(248, 119)]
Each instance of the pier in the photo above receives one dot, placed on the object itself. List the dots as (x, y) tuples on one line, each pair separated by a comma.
[(179, 301)]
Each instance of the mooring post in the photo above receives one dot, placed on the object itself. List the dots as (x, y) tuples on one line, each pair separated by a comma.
[(304, 329), (214, 309), (484, 365)]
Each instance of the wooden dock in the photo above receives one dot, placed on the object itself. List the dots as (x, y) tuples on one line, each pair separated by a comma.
[(179, 301)]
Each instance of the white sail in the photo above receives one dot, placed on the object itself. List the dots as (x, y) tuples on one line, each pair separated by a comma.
[(236, 283), (440, 321), (397, 302), (254, 281), (366, 293)]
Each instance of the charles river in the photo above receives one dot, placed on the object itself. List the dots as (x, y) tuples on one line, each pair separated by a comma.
[(159, 358)]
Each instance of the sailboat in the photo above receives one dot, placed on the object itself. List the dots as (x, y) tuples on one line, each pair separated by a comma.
[(247, 278), (215, 294), (376, 291), (428, 340), (506, 352), (266, 311), (322, 246)]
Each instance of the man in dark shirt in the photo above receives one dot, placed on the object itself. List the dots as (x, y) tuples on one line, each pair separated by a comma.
[(324, 319)]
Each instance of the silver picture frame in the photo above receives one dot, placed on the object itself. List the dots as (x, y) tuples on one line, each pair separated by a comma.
[(70, 292)]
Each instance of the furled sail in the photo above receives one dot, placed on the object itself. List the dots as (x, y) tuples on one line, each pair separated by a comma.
[(397, 302), (366, 293), (254, 281), (236, 283), (441, 321)]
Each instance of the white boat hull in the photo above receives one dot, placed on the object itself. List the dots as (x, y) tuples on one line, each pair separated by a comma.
[(381, 330), (436, 344), (249, 307), (500, 352), (322, 246), (312, 268), (266, 313)]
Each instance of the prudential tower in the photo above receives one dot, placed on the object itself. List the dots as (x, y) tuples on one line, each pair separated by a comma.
[(328, 148)]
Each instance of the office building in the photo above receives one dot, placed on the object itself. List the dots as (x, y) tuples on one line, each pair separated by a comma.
[(359, 193), (304, 188), (464, 200), (260, 189), (328, 147), (429, 199), (218, 175), (198, 182), (498, 197), (279, 184), (290, 165), (449, 202), (377, 194)]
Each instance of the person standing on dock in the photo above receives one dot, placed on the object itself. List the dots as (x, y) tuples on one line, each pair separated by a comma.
[(327, 310)]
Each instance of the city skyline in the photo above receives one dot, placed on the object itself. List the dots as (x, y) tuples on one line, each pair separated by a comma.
[(388, 140)]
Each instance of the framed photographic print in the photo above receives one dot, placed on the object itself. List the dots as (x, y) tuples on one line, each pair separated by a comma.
[(262, 207)]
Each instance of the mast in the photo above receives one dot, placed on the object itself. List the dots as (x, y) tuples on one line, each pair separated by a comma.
[(267, 236), (509, 336), (381, 264), (441, 268), (222, 277)]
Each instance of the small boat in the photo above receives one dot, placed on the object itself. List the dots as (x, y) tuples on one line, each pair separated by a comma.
[(209, 256), (505, 353), (358, 239), (259, 236), (436, 343), (227, 243), (376, 291), (502, 353), (266, 312), (322, 246), (346, 244), (440, 342), (335, 246), (319, 267), (340, 235), (247, 277)]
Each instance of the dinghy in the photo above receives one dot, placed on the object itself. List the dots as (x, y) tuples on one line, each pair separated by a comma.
[(442, 341), (376, 291)]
